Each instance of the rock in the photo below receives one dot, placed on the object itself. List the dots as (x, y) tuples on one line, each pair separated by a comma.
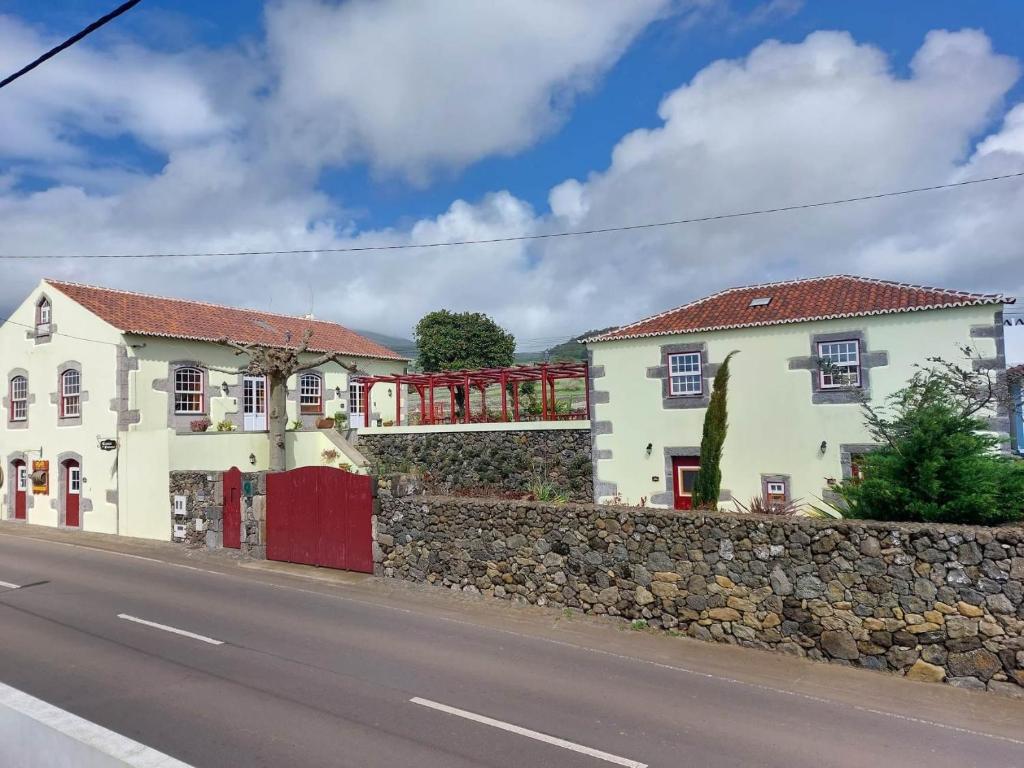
[(808, 587), (972, 611), (870, 547), (924, 672), (740, 604), (839, 644), (781, 585), (1006, 689), (608, 596), (724, 614), (743, 632), (724, 582), (669, 577), (978, 663), (643, 596), (664, 590), (970, 683), (957, 627), (917, 629), (1000, 604)]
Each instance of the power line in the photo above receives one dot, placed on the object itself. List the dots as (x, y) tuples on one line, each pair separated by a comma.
[(71, 41), (520, 238)]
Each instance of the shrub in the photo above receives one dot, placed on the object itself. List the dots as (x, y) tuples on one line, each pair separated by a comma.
[(708, 482), (225, 426), (760, 506), (200, 425), (935, 462)]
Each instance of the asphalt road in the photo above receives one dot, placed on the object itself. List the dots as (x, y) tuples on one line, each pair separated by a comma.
[(284, 671)]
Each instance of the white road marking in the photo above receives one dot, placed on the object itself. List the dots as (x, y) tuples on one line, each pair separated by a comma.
[(529, 734), (93, 738), (8, 585), (175, 630)]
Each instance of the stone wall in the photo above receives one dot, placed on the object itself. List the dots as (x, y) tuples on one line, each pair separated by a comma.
[(204, 505), (505, 461), (929, 602)]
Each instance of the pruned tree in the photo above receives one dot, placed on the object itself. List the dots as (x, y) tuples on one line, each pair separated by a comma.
[(708, 483), (278, 364)]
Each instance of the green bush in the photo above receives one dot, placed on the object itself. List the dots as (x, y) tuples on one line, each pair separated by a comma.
[(936, 463)]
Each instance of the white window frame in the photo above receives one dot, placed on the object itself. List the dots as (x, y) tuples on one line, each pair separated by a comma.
[(356, 391), (311, 397), (682, 375), (19, 405), (22, 478), (776, 488), (71, 394), (44, 316), (843, 374), (75, 481), (181, 391)]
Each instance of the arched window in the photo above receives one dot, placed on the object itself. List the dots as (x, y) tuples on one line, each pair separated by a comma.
[(44, 316), (70, 394), (188, 391), (311, 397), (19, 399)]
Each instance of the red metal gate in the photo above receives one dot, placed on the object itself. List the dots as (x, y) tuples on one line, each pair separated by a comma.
[(232, 516), (320, 516)]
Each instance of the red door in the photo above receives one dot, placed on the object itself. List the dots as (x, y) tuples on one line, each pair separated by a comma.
[(233, 508), (72, 493), (20, 479), (684, 472)]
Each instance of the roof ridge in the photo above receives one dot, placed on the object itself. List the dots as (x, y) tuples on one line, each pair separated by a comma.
[(215, 305)]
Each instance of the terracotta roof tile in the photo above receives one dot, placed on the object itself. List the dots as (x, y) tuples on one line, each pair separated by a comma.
[(818, 298), (145, 315)]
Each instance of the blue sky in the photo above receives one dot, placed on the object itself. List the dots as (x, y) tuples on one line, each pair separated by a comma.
[(378, 187)]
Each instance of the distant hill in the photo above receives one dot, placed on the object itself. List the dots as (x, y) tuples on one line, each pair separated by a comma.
[(404, 347)]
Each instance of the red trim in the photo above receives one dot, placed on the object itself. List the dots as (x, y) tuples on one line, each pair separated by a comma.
[(10, 401)]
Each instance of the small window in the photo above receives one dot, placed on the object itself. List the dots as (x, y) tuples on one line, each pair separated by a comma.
[(857, 467), (43, 317), (19, 399), (840, 364), (684, 372), (311, 399), (22, 478), (761, 301), (188, 391), (75, 480), (70, 394), (776, 493)]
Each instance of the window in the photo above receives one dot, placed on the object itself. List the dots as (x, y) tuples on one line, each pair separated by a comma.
[(70, 394), (776, 493), (43, 317), (19, 399), (22, 478), (839, 362), (311, 399), (857, 467), (74, 480), (355, 397), (685, 374), (188, 391)]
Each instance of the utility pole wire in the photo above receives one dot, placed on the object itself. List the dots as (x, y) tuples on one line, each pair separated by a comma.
[(70, 41), (520, 238)]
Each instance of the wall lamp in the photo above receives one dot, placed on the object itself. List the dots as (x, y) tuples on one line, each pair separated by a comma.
[(823, 447), (252, 459), (224, 388), (337, 392), (650, 447)]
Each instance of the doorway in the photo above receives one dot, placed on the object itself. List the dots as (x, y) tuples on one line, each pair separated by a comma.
[(254, 403), (72, 493), (19, 476), (356, 411), (684, 473)]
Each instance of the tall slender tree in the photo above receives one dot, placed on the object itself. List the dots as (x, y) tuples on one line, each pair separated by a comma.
[(708, 483)]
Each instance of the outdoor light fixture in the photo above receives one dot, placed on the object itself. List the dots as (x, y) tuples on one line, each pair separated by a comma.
[(252, 459), (224, 388), (337, 392), (650, 447), (823, 447)]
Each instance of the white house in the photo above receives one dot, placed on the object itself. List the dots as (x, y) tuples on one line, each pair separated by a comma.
[(107, 392), (795, 425)]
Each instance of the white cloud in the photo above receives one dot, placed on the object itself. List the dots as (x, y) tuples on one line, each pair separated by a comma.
[(789, 123)]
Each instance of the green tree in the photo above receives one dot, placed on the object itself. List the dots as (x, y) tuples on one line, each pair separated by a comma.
[(708, 483), (936, 462), (451, 341)]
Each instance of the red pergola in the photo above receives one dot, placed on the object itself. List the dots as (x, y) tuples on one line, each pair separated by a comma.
[(425, 385)]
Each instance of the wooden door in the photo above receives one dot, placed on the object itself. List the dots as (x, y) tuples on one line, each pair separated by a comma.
[(20, 479), (232, 514), (684, 472), (72, 493)]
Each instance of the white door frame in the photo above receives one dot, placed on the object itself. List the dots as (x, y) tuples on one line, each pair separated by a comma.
[(254, 418), (356, 417)]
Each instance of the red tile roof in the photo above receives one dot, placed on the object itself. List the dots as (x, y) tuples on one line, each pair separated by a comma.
[(794, 301), (145, 315)]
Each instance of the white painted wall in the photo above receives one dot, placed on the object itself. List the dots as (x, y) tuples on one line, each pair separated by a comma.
[(1013, 329)]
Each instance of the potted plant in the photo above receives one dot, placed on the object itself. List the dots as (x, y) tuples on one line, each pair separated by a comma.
[(225, 426), (325, 423), (200, 425)]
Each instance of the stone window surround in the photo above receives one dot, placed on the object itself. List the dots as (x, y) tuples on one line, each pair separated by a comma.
[(327, 396), (12, 484), (602, 488), (83, 394), (181, 423), (58, 503), (668, 496), (33, 333), (843, 395), (846, 453), (119, 404), (786, 480), (8, 405), (708, 371)]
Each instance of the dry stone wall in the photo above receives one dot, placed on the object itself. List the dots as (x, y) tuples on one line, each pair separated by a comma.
[(508, 461), (929, 602)]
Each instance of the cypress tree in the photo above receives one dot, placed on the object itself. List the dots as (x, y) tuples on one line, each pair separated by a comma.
[(708, 482)]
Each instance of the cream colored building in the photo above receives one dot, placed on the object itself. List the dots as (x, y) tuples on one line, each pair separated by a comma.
[(795, 425), (106, 386)]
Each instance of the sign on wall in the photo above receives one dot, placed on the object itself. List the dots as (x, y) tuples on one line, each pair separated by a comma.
[(41, 477)]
